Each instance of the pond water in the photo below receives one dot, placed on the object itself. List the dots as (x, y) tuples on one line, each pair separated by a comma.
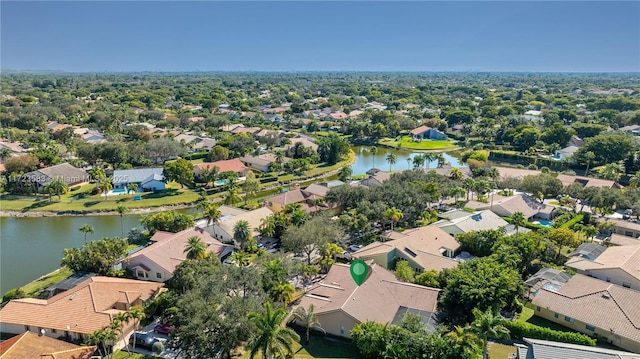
[(365, 160)]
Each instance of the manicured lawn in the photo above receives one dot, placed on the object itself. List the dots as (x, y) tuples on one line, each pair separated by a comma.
[(34, 288), (123, 354), (407, 142), (528, 317), (500, 351), (319, 347)]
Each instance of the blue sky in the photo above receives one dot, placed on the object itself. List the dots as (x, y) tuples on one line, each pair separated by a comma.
[(91, 36)]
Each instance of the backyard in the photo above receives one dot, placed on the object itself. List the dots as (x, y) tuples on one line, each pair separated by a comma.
[(318, 347), (408, 143)]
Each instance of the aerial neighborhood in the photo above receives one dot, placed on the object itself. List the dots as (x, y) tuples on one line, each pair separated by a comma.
[(496, 217)]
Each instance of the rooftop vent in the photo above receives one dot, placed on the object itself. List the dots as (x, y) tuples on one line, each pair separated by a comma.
[(412, 253)]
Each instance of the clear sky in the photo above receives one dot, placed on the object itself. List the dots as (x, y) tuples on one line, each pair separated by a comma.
[(89, 36)]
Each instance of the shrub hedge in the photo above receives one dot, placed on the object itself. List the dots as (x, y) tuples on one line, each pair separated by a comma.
[(518, 330), (574, 220)]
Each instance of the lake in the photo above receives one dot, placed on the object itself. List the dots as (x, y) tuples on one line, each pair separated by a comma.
[(365, 160)]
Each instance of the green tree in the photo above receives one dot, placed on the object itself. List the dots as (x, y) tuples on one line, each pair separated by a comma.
[(272, 339), (85, 228), (242, 233), (487, 325), (312, 235), (122, 210), (105, 186), (56, 187), (180, 171), (391, 159), (251, 186), (563, 237), (394, 214), (308, 319), (195, 248), (212, 214), (169, 221), (332, 148), (132, 188), (404, 271), (345, 173), (232, 197), (518, 221), (98, 256)]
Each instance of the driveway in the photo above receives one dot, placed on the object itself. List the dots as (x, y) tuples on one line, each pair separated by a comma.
[(167, 353)]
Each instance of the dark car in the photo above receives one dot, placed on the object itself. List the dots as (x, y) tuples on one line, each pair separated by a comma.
[(162, 328), (142, 340)]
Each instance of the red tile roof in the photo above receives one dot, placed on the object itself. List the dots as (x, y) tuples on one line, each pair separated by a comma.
[(225, 165), (31, 345)]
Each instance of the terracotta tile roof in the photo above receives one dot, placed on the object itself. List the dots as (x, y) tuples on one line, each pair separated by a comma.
[(234, 165), (316, 189), (83, 309), (31, 345), (427, 243), (253, 217), (379, 298), (626, 258), (601, 304), (167, 251), (419, 130), (294, 196), (304, 141)]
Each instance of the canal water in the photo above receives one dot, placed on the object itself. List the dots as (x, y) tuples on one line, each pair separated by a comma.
[(32, 247)]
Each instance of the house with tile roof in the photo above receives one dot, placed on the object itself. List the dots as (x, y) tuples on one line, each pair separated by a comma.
[(426, 133), (506, 206), (458, 221), (424, 248), (311, 199), (223, 230), (77, 312), (262, 162), (157, 261), (544, 349), (593, 307), (38, 179), (622, 227), (340, 304), (233, 165), (147, 179), (618, 265), (32, 345), (375, 177)]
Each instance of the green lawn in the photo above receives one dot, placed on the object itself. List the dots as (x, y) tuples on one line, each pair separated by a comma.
[(528, 316), (407, 142), (123, 354), (500, 351), (320, 347), (34, 288)]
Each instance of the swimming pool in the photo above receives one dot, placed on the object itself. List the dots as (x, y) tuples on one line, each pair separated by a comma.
[(543, 223)]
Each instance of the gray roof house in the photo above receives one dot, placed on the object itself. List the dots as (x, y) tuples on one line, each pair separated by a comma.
[(150, 179), (459, 221), (39, 178), (544, 349)]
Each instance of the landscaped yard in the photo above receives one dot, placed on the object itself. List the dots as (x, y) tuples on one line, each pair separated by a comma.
[(500, 351), (34, 288), (528, 317), (407, 142), (123, 354), (319, 347)]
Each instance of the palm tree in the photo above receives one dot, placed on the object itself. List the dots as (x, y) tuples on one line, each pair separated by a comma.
[(591, 231), (122, 210), (195, 248), (589, 157), (240, 258), (232, 196), (392, 159), (292, 207), (418, 160), (105, 187), (345, 173), (373, 151), (634, 180), (298, 217), (85, 228), (468, 184), (272, 340), (308, 319), (57, 187), (137, 314), (409, 160), (455, 174), (132, 188), (456, 192), (463, 342), (123, 318), (242, 232), (394, 214), (440, 158), (283, 293), (4, 153), (487, 325), (518, 221), (428, 157), (212, 213)]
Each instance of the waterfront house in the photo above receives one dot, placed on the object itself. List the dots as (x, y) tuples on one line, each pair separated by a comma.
[(31, 345), (77, 312), (262, 162), (157, 261), (375, 177), (38, 179), (424, 248), (340, 304), (147, 179), (223, 229), (233, 165), (426, 133)]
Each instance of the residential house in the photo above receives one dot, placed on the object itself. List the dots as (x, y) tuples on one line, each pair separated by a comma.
[(147, 179), (246, 130), (224, 228), (305, 142), (576, 141), (77, 312), (618, 265), (587, 182), (620, 240), (90, 136), (459, 222), (196, 143), (375, 177), (233, 165), (426, 133), (54, 126), (591, 306), (262, 162), (424, 248), (544, 349), (624, 228), (231, 127), (340, 303), (336, 116), (446, 170), (506, 206), (565, 153), (16, 148), (30, 345), (38, 179), (157, 261), (310, 201), (374, 105), (633, 129)]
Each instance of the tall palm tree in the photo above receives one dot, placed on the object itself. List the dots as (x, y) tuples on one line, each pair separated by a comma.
[(85, 228), (409, 160), (57, 187), (123, 319), (468, 184), (589, 157), (394, 214), (455, 174), (132, 188), (122, 210), (283, 293), (456, 192), (137, 314), (487, 325), (429, 157), (242, 232), (392, 159), (232, 197), (272, 340), (440, 158), (373, 151), (463, 342), (212, 214), (518, 221), (345, 173), (195, 248), (105, 187), (308, 319), (240, 258), (418, 160)]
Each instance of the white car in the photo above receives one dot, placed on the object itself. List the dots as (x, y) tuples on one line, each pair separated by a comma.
[(355, 247)]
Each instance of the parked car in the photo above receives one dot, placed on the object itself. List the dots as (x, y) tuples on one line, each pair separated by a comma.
[(162, 328), (355, 247), (142, 340)]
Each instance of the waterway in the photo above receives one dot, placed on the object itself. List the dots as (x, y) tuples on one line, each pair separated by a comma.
[(32, 246)]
